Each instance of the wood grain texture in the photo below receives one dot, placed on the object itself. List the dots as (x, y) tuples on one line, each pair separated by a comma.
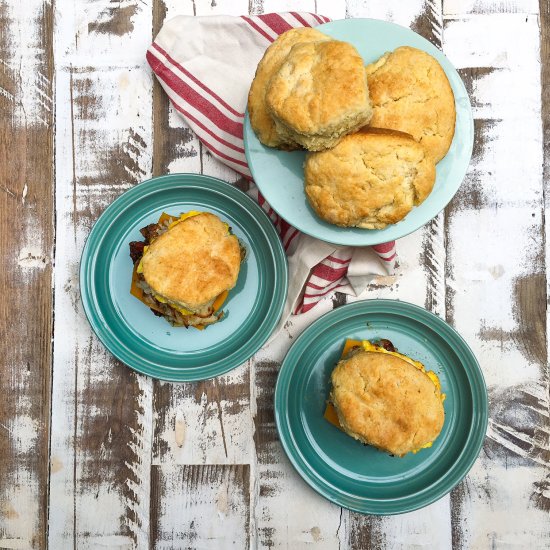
[(200, 507), (542, 488), (289, 514), (26, 250), (101, 417), (453, 8), (203, 423), (497, 291)]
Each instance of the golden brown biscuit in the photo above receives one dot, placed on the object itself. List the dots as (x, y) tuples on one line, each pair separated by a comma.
[(319, 94), (370, 179), (260, 119), (410, 92), (386, 402), (193, 262)]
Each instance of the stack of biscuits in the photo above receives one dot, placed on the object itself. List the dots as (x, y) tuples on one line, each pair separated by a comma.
[(373, 134)]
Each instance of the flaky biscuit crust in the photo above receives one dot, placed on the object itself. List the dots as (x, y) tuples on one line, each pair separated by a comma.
[(410, 92), (370, 179), (260, 119), (386, 402), (319, 94), (193, 262)]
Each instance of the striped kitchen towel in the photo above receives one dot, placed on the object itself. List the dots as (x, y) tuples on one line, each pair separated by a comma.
[(206, 66)]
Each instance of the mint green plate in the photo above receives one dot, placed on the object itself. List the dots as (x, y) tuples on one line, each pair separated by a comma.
[(360, 477), (148, 343), (280, 176)]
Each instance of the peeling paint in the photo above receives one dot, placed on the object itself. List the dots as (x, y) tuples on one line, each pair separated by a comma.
[(115, 18), (179, 430), (32, 257), (529, 310)]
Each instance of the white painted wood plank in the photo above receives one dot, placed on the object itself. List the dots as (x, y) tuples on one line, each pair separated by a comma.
[(23, 50), (421, 281), (200, 426), (270, 6), (334, 10), (289, 514), (26, 249), (102, 32), (495, 254), (477, 47), (189, 158), (208, 507), (100, 447), (284, 515), (402, 13), (205, 423), (82, 367), (219, 7), (217, 431), (465, 7)]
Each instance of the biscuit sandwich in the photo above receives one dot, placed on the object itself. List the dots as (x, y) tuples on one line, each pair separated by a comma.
[(319, 94), (370, 179), (410, 92), (260, 118), (185, 267), (385, 399)]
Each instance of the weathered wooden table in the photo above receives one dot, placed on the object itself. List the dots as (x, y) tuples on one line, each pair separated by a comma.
[(93, 455)]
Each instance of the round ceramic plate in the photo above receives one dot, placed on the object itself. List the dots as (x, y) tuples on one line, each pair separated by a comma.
[(344, 470), (149, 344), (280, 176)]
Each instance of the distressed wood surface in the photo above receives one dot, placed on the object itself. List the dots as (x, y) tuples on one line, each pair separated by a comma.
[(101, 411), (26, 252), (497, 294), (135, 463)]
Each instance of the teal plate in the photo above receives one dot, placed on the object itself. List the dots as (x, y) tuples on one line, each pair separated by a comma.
[(360, 477), (279, 174), (148, 343)]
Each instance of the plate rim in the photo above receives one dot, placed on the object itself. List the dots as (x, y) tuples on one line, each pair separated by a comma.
[(123, 202), (344, 240), (390, 506)]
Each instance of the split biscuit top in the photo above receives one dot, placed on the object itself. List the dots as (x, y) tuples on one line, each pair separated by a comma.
[(260, 119), (410, 92), (370, 179), (383, 401), (319, 94), (193, 262)]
